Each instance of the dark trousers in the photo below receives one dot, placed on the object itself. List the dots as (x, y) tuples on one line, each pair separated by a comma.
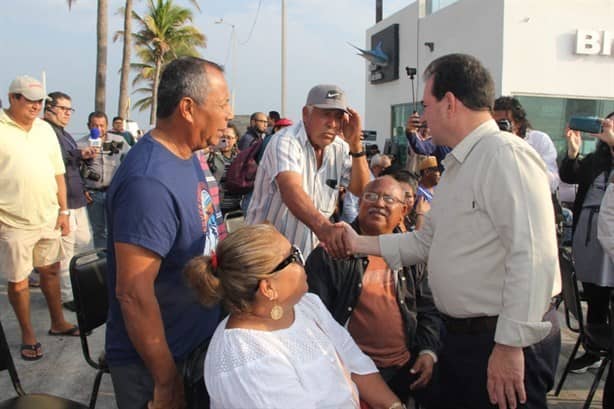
[(463, 363), (598, 299)]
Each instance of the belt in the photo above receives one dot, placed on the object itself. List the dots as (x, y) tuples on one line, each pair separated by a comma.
[(99, 189), (472, 325), (478, 325)]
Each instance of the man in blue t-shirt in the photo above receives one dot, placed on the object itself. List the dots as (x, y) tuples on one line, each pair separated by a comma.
[(163, 210)]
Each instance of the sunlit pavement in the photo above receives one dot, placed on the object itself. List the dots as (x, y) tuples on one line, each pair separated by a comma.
[(63, 370)]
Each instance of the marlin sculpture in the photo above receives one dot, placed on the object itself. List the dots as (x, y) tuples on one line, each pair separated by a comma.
[(377, 56)]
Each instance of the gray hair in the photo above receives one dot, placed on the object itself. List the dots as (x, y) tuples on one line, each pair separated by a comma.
[(183, 77)]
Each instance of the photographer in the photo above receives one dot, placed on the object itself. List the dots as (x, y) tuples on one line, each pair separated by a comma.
[(58, 112), (592, 173), (510, 109), (99, 172)]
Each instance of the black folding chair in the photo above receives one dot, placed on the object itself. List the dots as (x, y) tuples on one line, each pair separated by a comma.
[(596, 339), (88, 275), (28, 400)]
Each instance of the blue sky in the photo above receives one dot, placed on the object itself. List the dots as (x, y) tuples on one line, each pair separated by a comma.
[(43, 35)]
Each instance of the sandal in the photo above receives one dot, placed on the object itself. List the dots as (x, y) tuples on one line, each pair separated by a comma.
[(36, 348), (70, 332)]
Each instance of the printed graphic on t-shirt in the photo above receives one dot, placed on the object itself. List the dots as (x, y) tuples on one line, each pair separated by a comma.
[(207, 215)]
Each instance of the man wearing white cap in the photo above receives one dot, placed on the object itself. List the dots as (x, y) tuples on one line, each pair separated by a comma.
[(296, 186), (33, 209)]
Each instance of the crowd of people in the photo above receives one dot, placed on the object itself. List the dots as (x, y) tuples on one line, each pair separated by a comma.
[(355, 282)]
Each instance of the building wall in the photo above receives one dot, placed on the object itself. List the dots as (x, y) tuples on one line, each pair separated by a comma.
[(539, 48), (380, 97), (528, 46)]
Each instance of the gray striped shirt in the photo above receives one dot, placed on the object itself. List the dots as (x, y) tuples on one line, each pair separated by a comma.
[(290, 151)]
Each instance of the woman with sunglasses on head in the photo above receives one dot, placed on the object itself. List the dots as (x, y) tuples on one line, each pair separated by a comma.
[(279, 347)]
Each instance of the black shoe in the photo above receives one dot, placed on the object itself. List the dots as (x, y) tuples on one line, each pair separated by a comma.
[(70, 306), (584, 363)]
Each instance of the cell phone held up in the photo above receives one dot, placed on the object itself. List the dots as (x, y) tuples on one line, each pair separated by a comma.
[(589, 124)]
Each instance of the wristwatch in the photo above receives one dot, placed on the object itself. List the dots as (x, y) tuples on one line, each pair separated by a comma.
[(65, 212), (358, 154)]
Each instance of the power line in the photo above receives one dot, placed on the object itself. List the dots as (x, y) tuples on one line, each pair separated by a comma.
[(251, 31)]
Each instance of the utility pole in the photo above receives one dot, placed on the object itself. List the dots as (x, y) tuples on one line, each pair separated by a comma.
[(283, 58), (233, 61)]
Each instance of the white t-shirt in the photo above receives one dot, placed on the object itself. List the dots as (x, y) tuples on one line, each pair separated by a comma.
[(306, 365)]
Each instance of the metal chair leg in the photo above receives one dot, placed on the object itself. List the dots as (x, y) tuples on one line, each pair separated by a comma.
[(94, 396), (589, 398), (566, 371)]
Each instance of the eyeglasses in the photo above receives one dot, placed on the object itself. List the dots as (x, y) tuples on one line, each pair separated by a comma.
[(65, 109), (295, 257), (261, 120), (373, 197)]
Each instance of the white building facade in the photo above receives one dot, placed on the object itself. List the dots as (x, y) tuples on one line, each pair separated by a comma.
[(555, 56)]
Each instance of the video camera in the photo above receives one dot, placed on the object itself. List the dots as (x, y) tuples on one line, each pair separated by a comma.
[(112, 147), (504, 125), (88, 173)]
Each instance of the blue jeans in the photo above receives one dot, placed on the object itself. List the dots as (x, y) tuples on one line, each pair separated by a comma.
[(98, 218)]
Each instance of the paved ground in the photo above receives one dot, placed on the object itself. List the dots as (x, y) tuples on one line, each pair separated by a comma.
[(64, 372)]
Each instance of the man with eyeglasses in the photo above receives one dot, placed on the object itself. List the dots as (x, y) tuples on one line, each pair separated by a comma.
[(256, 131), (33, 209), (388, 311), (58, 112)]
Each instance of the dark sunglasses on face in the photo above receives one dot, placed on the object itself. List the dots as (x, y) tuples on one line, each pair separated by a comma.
[(296, 256)]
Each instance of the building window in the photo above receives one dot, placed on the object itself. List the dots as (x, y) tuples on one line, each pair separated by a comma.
[(550, 115), (432, 6), (399, 114)]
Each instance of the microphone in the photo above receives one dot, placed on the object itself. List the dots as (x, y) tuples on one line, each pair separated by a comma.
[(94, 139), (94, 133)]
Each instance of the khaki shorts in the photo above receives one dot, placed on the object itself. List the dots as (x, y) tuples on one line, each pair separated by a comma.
[(20, 250)]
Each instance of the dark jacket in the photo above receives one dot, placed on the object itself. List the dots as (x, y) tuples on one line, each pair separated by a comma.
[(583, 171), (427, 147), (338, 282), (249, 138), (75, 188)]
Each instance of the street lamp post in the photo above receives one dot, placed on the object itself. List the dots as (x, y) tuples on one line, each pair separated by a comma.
[(233, 51), (283, 58)]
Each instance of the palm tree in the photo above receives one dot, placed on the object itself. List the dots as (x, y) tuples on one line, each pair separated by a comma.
[(123, 105), (102, 28), (145, 72), (165, 34)]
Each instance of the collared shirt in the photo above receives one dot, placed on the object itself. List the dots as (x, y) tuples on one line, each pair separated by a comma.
[(106, 162), (290, 151), (490, 237), (542, 143), (29, 162)]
